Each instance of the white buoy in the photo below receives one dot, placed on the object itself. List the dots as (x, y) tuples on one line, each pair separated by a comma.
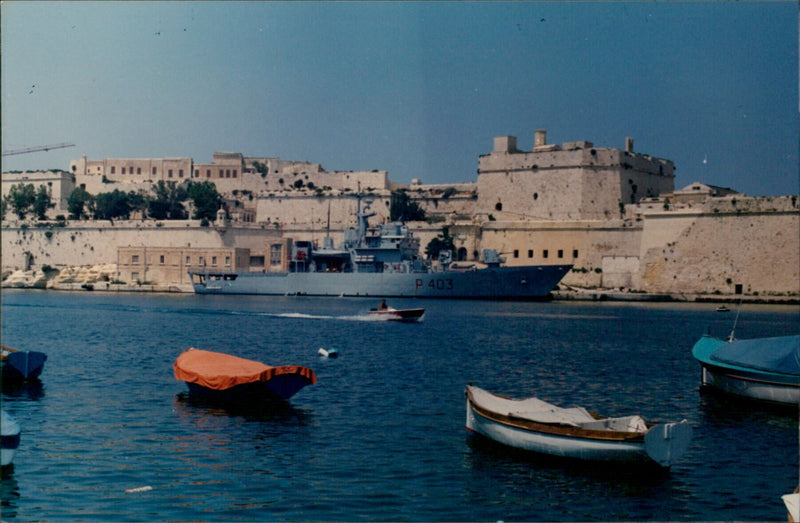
[(328, 353)]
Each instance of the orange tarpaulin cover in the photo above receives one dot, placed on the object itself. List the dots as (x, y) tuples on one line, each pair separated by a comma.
[(222, 371)]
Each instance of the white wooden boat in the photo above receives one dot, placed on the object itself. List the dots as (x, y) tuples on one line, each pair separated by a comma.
[(535, 425)]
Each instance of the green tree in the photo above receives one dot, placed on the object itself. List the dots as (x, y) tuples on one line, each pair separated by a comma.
[(168, 201), (22, 197), (206, 200), (404, 209), (42, 202), (110, 205), (138, 201), (442, 242), (78, 203)]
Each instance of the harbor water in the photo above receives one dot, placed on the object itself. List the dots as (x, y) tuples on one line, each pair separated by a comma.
[(110, 435)]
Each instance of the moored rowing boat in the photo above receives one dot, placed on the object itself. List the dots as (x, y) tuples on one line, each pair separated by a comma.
[(535, 425), (233, 380)]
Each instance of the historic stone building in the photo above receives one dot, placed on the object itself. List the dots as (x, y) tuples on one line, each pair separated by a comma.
[(60, 185), (571, 181), (142, 264)]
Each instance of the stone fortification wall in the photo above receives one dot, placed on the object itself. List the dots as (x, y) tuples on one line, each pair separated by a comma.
[(302, 180), (585, 244), (740, 245), (445, 202), (92, 242), (287, 210)]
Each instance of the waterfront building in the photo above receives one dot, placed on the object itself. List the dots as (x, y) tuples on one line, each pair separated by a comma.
[(145, 264)]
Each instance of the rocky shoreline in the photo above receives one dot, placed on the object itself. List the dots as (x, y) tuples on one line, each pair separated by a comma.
[(101, 278)]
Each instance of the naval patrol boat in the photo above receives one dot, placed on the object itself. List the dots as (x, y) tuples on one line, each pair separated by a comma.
[(384, 262)]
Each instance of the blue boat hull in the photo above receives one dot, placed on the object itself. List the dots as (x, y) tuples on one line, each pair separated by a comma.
[(743, 381), (530, 282), (23, 366), (278, 389)]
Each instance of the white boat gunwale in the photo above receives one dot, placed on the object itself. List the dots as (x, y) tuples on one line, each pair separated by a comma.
[(558, 429)]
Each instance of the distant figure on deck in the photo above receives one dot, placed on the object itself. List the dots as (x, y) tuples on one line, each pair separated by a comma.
[(383, 306)]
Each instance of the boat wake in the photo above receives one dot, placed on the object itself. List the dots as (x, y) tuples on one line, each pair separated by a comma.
[(283, 315), (304, 316)]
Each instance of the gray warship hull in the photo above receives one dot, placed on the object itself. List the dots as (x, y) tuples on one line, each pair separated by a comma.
[(528, 282)]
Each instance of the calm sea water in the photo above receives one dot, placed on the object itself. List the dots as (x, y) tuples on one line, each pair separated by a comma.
[(381, 436)]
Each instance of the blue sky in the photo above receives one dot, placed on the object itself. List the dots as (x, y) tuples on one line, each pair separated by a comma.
[(419, 89)]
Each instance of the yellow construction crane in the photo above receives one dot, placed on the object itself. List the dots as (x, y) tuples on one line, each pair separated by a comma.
[(39, 148)]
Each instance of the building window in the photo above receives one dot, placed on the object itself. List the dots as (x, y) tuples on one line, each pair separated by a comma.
[(498, 206), (188, 260), (161, 259), (135, 258), (545, 253), (154, 170), (560, 253), (123, 170), (135, 276), (138, 170), (227, 261), (130, 170), (227, 173), (169, 173), (221, 173), (213, 260), (275, 254), (208, 173), (197, 173), (180, 173), (516, 253), (234, 173), (530, 253), (575, 253), (112, 169), (201, 261)]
